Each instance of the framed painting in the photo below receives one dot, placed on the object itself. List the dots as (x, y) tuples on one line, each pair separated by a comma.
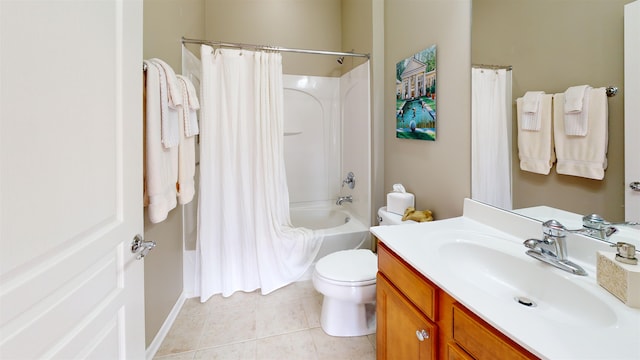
[(416, 96)]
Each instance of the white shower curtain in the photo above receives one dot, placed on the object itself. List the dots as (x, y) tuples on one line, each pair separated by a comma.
[(245, 237), (490, 145)]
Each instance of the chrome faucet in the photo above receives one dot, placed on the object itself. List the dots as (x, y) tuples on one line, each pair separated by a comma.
[(342, 199), (552, 249), (595, 226)]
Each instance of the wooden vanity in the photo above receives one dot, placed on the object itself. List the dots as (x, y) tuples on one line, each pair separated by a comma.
[(418, 320)]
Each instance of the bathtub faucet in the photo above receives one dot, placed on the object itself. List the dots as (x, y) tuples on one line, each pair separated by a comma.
[(342, 199)]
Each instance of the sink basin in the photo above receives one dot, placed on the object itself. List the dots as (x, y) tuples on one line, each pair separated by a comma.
[(502, 270)]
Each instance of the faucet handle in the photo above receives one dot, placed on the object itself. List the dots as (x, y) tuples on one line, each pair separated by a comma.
[(594, 221), (554, 228), (350, 180)]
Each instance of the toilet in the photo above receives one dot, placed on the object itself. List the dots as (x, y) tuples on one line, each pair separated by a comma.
[(347, 280)]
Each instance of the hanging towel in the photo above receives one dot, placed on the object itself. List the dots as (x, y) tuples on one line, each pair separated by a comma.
[(530, 117), (171, 99), (190, 106), (160, 163), (186, 150), (535, 148), (584, 156), (576, 110)]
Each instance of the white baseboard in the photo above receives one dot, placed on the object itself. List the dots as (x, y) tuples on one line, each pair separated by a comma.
[(166, 326)]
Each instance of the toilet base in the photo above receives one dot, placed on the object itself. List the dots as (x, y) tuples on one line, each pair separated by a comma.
[(342, 318)]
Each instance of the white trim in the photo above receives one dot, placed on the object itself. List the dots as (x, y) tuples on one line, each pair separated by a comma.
[(152, 349)]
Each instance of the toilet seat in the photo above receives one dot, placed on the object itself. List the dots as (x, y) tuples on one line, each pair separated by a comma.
[(348, 268)]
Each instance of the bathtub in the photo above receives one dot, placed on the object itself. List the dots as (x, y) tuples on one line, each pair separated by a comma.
[(340, 228)]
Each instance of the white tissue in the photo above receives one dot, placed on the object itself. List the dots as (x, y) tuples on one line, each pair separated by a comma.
[(398, 188), (399, 200)]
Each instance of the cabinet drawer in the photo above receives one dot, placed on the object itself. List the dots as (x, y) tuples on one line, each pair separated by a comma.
[(413, 285), (481, 340)]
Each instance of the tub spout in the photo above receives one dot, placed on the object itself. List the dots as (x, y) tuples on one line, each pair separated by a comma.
[(342, 199)]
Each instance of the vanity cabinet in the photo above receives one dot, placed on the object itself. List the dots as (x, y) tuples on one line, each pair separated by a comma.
[(418, 320), (406, 333)]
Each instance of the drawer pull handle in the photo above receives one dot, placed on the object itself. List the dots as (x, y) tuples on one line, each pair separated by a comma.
[(422, 334)]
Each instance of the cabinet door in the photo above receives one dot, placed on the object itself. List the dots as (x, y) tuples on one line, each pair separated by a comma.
[(403, 332)]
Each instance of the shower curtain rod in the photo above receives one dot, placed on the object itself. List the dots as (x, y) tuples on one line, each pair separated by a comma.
[(268, 47), (494, 67)]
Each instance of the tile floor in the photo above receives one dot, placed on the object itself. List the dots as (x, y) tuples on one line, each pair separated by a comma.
[(282, 325)]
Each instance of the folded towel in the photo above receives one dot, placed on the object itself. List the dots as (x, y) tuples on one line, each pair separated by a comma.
[(530, 110), (574, 98), (535, 148), (576, 121), (175, 92), (170, 100), (186, 152), (160, 163), (584, 156), (191, 105)]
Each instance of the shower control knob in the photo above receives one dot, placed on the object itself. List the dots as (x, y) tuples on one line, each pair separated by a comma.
[(422, 334)]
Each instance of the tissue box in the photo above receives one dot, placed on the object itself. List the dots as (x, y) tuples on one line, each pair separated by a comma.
[(398, 202), (621, 280)]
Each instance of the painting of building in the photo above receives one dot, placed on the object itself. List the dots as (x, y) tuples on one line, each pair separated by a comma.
[(416, 96)]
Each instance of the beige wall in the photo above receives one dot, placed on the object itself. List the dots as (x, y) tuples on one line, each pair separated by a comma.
[(437, 172), (165, 22), (302, 24), (553, 45), (357, 31)]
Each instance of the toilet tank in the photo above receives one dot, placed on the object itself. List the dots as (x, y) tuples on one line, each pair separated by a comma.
[(388, 218)]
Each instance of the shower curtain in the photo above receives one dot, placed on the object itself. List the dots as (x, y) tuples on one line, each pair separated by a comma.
[(245, 237), (490, 145)]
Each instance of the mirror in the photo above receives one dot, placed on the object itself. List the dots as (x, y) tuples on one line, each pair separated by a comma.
[(577, 42), (551, 46)]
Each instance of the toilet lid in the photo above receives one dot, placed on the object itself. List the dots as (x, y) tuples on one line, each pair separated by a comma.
[(349, 266)]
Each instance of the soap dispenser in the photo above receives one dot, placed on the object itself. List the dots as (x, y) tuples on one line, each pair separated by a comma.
[(619, 273)]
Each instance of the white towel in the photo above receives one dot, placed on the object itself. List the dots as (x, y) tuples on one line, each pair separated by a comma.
[(190, 107), (171, 99), (574, 98), (535, 148), (530, 116), (186, 152), (584, 156), (160, 163), (175, 92), (576, 110)]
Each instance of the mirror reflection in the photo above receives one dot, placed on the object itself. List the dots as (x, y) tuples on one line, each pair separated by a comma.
[(551, 46)]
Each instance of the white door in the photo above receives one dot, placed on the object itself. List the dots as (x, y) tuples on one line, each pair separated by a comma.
[(70, 179), (632, 109)]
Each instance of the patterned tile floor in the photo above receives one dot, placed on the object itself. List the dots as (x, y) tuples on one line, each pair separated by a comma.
[(282, 325)]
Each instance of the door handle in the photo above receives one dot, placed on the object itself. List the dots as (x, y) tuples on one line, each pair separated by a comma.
[(141, 247), (635, 186)]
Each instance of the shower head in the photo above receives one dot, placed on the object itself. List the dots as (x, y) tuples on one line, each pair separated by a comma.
[(340, 60)]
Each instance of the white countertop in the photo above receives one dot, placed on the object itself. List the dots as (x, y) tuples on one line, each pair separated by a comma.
[(609, 330)]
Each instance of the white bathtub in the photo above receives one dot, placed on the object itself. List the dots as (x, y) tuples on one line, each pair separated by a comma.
[(324, 216), (340, 228)]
